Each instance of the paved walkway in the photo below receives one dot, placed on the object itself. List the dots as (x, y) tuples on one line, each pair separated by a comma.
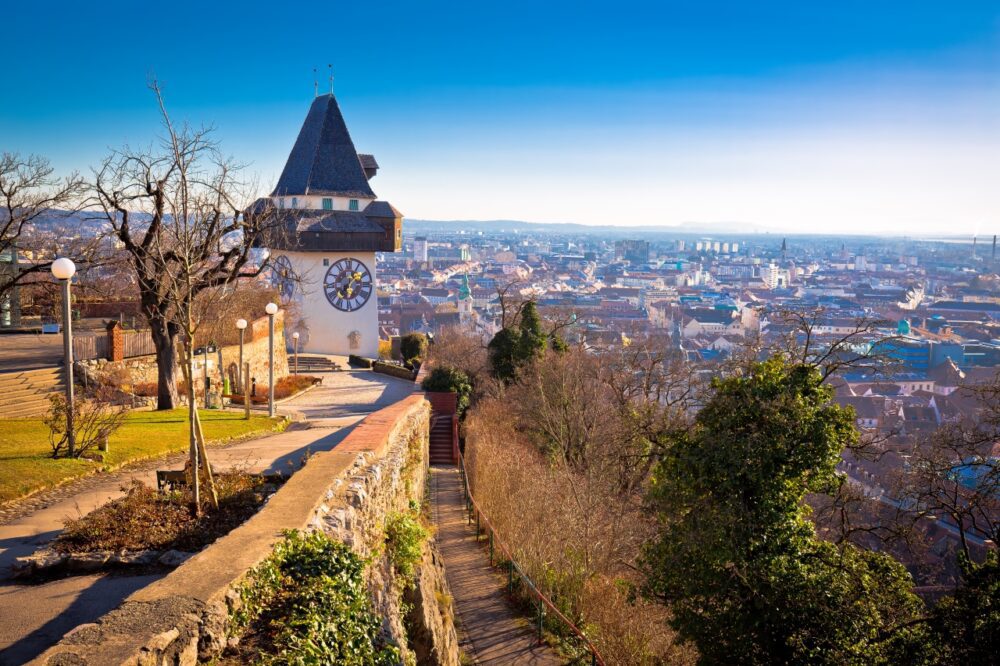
[(32, 351), (489, 630), (45, 612)]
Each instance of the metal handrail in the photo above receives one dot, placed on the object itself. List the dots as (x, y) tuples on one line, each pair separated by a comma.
[(596, 658)]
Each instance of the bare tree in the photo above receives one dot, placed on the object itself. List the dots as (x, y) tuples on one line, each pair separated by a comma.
[(510, 301), (862, 347), (954, 475), (31, 193), (182, 213)]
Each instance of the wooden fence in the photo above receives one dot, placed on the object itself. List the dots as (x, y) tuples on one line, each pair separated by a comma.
[(138, 343), (91, 347)]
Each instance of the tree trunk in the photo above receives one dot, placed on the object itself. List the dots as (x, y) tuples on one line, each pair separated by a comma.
[(193, 452), (165, 341)]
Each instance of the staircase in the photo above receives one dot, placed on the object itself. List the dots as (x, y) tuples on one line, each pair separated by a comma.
[(441, 444), (311, 364), (444, 428), (27, 393)]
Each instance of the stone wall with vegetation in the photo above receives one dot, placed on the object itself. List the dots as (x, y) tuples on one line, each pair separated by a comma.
[(139, 370), (374, 477)]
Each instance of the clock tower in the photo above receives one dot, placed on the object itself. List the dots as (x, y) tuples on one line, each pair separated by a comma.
[(329, 225)]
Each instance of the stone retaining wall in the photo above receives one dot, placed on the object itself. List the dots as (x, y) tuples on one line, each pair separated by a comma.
[(142, 369), (183, 618)]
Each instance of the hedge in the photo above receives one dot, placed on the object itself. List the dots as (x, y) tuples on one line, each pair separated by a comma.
[(394, 370), (359, 361)]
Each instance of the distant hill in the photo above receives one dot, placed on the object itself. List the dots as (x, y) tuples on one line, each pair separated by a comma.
[(90, 222), (606, 231), (715, 230)]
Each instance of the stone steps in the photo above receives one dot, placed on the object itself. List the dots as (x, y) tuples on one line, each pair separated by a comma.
[(441, 444), (27, 393), (314, 364)]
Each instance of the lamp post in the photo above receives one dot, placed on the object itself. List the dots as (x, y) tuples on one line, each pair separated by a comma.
[(63, 270), (295, 343), (241, 324), (271, 309)]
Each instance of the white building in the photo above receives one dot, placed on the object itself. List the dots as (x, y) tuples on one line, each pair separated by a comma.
[(329, 227), (420, 249)]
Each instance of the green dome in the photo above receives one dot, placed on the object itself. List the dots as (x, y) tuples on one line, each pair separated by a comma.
[(904, 327)]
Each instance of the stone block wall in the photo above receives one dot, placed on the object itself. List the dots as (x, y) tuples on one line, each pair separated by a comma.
[(142, 369), (347, 492)]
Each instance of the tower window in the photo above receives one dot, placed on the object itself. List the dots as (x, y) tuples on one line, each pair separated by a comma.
[(295, 202), (353, 204), (327, 204), (281, 202), (326, 262)]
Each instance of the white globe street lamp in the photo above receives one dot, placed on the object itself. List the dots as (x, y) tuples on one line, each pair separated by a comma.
[(63, 269), (295, 342), (241, 324), (271, 309)]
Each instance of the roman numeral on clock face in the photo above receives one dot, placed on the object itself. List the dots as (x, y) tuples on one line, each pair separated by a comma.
[(348, 285)]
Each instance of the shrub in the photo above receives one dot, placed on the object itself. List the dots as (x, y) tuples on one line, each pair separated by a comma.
[(450, 380), (404, 538), (283, 388), (145, 389), (94, 420), (308, 604), (393, 370), (413, 347), (292, 384), (356, 361), (385, 349)]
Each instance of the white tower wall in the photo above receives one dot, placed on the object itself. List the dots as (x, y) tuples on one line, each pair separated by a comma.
[(327, 329)]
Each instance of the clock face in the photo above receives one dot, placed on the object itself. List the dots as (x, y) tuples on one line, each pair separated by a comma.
[(282, 277), (348, 285)]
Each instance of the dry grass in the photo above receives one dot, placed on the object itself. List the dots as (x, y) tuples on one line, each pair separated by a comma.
[(574, 534)]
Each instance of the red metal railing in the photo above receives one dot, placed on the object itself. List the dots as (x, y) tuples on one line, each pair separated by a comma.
[(543, 602)]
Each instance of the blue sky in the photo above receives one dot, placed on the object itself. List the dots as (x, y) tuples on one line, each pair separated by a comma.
[(849, 116)]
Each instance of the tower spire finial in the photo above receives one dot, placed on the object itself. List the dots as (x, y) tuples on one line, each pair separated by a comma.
[(330, 67), (315, 84)]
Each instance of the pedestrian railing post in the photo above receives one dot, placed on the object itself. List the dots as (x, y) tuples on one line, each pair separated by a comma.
[(540, 613)]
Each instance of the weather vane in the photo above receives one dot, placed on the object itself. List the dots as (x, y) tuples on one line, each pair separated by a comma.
[(330, 67)]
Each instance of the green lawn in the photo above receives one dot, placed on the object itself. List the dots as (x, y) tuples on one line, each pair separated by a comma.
[(26, 464)]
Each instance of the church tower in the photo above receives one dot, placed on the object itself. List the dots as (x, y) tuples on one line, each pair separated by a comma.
[(329, 225), (465, 299)]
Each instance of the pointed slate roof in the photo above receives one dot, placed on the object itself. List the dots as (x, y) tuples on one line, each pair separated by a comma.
[(323, 160)]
